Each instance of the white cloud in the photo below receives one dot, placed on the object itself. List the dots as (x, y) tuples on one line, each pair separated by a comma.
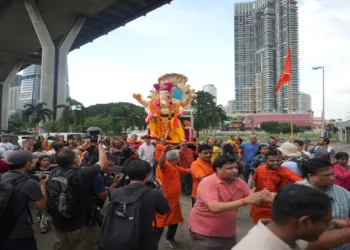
[(324, 39)]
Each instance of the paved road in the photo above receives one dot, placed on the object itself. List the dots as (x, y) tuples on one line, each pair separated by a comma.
[(182, 236)]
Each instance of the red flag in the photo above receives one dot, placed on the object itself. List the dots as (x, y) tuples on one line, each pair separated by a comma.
[(285, 77)]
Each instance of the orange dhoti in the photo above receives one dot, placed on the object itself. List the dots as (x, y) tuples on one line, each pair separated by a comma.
[(170, 178)]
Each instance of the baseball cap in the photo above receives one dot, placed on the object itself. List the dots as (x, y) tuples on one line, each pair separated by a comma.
[(19, 157)]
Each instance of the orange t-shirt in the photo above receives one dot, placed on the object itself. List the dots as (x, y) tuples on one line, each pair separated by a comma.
[(158, 151), (199, 169), (273, 180), (235, 146)]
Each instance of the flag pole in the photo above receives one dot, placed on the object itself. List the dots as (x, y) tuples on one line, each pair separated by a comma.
[(290, 108)]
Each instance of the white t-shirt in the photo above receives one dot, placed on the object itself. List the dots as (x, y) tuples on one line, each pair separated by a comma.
[(146, 152), (261, 238), (7, 146)]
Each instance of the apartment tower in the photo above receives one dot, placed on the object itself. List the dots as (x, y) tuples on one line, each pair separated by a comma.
[(264, 29)]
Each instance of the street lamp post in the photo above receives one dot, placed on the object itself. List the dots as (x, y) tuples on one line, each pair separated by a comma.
[(323, 109)]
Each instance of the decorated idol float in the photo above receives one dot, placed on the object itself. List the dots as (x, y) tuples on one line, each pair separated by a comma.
[(168, 108)]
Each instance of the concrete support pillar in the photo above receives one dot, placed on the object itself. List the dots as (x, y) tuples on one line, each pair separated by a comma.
[(5, 96), (54, 59), (48, 53), (62, 54)]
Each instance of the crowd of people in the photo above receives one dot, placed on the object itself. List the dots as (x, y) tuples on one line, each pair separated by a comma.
[(122, 193)]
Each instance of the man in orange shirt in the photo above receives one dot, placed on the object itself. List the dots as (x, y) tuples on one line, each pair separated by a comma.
[(201, 168), (273, 177), (168, 172)]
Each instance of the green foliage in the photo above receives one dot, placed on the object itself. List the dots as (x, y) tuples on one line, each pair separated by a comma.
[(278, 127), (54, 126), (107, 124), (73, 113), (16, 123), (206, 112), (129, 116), (36, 113)]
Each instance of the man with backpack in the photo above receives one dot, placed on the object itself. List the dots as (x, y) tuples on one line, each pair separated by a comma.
[(129, 217), (69, 193), (322, 150), (292, 156), (16, 191)]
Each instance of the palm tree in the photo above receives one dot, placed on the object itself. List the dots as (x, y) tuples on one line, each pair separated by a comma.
[(73, 112), (36, 114)]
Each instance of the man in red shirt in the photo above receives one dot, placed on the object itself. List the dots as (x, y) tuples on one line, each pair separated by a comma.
[(186, 158)]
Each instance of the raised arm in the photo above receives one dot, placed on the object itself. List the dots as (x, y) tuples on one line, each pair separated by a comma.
[(138, 98)]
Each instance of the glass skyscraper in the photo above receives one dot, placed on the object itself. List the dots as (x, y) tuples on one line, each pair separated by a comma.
[(30, 86)]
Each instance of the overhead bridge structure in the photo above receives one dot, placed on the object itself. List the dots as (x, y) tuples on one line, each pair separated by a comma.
[(45, 31)]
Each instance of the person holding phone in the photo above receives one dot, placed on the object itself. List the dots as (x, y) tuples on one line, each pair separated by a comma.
[(42, 168)]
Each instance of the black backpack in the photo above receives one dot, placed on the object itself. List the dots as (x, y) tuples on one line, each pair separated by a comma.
[(123, 223), (299, 161), (8, 218), (61, 201)]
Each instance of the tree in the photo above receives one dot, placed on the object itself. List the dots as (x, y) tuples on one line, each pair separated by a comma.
[(53, 126), (216, 115), (206, 113), (36, 113), (16, 123), (73, 113), (106, 124), (129, 116), (278, 127)]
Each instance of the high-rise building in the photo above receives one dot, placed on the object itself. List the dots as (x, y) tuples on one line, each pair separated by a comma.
[(30, 86), (287, 36), (305, 102), (210, 88), (259, 93), (231, 107), (15, 90), (264, 30), (244, 57)]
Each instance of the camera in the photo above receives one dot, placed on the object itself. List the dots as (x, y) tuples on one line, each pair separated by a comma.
[(109, 179)]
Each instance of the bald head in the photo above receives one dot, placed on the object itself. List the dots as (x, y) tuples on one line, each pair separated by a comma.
[(173, 155)]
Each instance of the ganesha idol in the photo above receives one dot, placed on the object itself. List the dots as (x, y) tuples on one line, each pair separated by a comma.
[(170, 97)]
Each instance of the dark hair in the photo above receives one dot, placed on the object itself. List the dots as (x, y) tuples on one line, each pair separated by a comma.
[(58, 146), (222, 160), (37, 145), (300, 143), (65, 158), (203, 147), (41, 157), (272, 138), (340, 155), (260, 147), (312, 165), (294, 201), (138, 170), (240, 140), (326, 140), (111, 157), (272, 153)]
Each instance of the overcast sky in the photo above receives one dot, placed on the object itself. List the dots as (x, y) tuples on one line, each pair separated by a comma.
[(198, 41)]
